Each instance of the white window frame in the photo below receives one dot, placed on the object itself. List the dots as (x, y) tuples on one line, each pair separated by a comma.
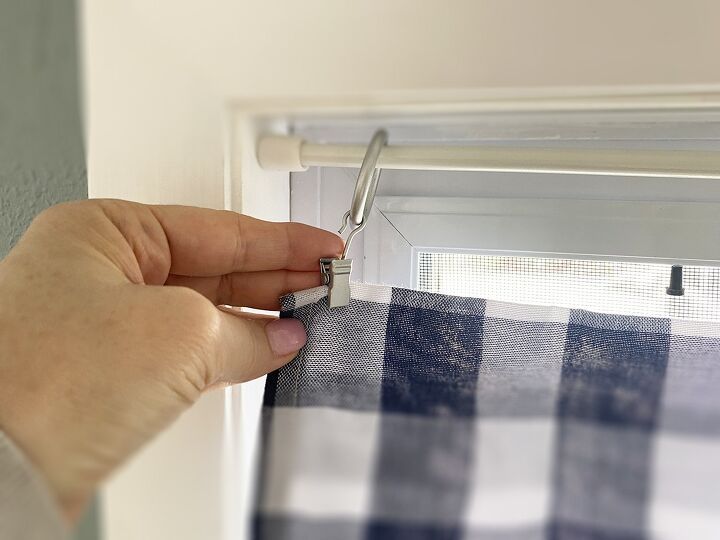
[(663, 220), (580, 229)]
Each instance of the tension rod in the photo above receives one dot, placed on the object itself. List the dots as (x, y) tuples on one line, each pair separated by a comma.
[(291, 153)]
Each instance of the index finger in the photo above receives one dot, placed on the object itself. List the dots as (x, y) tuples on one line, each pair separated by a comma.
[(204, 242)]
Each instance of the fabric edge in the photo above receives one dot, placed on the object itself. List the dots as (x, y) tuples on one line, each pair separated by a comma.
[(383, 294)]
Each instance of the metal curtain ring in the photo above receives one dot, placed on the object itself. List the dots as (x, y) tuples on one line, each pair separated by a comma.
[(365, 188), (367, 180)]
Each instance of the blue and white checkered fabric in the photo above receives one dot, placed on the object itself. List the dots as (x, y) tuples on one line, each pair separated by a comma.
[(420, 416)]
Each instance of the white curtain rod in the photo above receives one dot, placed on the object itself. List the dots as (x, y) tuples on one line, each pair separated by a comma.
[(290, 153)]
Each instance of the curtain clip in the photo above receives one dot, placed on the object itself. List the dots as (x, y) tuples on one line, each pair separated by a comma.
[(336, 272), (336, 275)]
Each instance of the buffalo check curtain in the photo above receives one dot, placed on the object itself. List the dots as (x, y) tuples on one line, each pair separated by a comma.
[(412, 415)]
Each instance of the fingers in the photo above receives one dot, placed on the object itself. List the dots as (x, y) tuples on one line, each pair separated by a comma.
[(251, 347), (206, 242), (260, 290)]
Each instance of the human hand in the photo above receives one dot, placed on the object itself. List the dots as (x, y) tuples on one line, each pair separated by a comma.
[(97, 356)]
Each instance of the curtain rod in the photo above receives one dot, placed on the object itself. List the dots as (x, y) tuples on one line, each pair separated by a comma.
[(293, 154)]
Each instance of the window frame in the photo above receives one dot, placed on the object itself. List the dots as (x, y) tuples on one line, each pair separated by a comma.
[(567, 216)]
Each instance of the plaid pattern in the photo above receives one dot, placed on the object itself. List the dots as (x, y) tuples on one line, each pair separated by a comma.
[(412, 415)]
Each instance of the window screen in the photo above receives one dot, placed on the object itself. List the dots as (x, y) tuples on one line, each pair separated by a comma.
[(605, 286)]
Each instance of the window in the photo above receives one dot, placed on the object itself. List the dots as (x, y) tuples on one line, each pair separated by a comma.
[(607, 286), (582, 241)]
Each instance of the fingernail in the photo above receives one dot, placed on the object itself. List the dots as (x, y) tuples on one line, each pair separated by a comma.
[(285, 336)]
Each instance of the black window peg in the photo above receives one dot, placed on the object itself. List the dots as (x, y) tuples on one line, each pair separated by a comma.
[(676, 281)]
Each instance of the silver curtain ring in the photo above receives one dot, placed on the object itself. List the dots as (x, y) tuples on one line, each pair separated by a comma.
[(367, 180), (365, 188)]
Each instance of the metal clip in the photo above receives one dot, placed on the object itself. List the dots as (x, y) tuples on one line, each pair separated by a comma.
[(336, 275), (336, 272)]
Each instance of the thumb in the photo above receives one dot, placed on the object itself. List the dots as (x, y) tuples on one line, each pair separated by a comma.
[(251, 346)]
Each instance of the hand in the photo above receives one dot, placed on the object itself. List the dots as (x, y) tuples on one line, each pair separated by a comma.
[(109, 327)]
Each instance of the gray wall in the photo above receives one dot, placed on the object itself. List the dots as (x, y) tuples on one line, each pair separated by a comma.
[(41, 146)]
